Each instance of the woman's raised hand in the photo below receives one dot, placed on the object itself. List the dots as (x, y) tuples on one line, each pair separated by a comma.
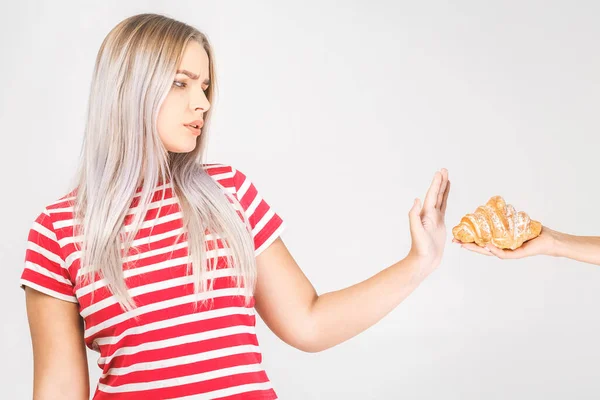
[(427, 223)]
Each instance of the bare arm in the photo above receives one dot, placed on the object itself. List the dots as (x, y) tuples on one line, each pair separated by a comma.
[(345, 313), (290, 306), (580, 248), (60, 368), (312, 323)]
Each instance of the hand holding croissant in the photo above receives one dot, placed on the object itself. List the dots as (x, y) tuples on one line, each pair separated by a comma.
[(496, 229), (497, 223)]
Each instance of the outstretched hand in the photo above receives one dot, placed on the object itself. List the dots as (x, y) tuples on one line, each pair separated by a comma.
[(543, 244), (427, 222)]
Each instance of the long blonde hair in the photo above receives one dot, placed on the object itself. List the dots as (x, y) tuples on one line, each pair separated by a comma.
[(133, 74)]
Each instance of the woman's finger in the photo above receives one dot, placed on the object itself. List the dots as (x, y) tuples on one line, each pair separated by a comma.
[(414, 218), (475, 248), (440, 196), (445, 199), (432, 193), (505, 254)]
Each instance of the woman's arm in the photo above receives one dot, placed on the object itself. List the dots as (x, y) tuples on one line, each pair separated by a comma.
[(345, 313), (580, 248), (60, 369), (292, 309), (313, 323)]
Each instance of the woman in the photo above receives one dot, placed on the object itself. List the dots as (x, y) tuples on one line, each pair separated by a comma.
[(550, 243), (159, 261)]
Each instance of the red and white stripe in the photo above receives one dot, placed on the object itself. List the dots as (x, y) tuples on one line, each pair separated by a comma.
[(161, 349)]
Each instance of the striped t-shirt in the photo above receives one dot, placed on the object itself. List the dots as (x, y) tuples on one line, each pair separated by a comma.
[(170, 351)]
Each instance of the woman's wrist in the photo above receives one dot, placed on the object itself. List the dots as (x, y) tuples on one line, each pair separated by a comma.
[(421, 267), (559, 243)]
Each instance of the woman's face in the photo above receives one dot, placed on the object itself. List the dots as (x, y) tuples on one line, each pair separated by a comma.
[(186, 102)]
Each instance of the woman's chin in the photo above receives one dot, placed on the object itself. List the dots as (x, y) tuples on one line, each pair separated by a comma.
[(182, 147)]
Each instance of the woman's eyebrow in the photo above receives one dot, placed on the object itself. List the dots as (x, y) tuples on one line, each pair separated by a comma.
[(192, 75)]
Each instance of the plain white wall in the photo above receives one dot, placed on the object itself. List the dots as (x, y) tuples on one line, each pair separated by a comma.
[(341, 112)]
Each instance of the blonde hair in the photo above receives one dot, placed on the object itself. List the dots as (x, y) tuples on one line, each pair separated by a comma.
[(133, 74)]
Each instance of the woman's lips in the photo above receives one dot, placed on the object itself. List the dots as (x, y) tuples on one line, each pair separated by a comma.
[(195, 131)]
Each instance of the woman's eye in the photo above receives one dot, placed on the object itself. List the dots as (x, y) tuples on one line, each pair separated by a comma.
[(179, 84)]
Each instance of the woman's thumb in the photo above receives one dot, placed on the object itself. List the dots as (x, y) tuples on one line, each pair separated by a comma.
[(414, 217)]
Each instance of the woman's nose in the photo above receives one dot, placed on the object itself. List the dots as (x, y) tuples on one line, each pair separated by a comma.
[(201, 102)]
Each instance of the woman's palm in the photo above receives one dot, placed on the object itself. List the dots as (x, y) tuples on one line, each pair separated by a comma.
[(540, 245), (428, 228)]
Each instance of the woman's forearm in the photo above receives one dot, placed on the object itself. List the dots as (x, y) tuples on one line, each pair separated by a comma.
[(340, 315), (581, 248)]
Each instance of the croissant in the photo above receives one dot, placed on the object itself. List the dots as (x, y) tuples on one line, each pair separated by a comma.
[(497, 223)]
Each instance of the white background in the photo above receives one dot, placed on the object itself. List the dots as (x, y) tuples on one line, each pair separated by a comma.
[(341, 112)]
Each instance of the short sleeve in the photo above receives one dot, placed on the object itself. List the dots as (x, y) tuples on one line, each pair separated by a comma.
[(266, 224), (45, 270)]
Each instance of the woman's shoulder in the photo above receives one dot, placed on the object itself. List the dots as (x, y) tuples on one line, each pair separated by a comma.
[(61, 207), (226, 174), (52, 223), (217, 168)]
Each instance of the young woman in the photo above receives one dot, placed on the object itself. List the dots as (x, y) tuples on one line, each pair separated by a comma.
[(550, 243), (158, 261)]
